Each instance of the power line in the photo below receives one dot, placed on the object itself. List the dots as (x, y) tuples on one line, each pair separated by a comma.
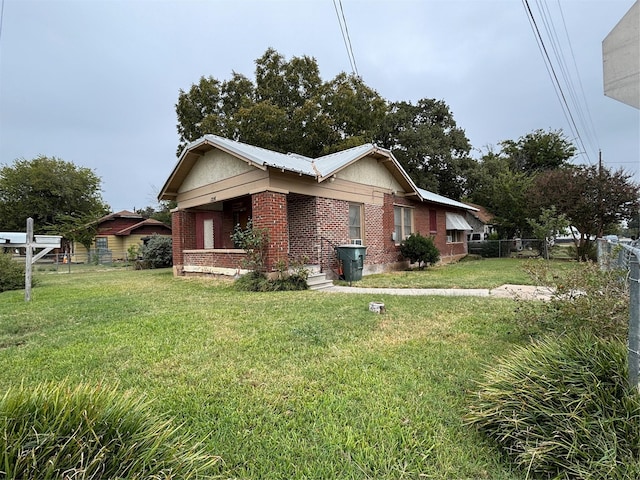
[(345, 36), (554, 78)]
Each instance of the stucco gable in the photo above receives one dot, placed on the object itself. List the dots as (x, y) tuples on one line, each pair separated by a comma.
[(369, 171), (214, 166)]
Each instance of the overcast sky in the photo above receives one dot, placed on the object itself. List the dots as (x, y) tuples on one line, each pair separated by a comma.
[(95, 82)]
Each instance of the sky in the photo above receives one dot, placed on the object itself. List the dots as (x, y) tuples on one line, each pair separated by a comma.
[(95, 82)]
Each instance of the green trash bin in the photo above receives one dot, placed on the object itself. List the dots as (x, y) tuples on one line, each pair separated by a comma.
[(352, 259)]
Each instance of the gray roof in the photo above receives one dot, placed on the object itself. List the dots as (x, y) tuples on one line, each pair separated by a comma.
[(435, 198)]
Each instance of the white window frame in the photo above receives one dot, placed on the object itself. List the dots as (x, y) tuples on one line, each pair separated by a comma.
[(400, 229), (360, 227)]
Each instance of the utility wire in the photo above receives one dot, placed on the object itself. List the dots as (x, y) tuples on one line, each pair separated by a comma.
[(554, 78), (345, 36)]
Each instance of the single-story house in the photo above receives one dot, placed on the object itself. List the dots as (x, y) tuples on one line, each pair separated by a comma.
[(117, 232), (308, 205), (482, 222)]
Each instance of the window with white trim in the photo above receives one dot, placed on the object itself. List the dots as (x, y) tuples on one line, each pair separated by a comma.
[(102, 243), (355, 221), (454, 236), (403, 222)]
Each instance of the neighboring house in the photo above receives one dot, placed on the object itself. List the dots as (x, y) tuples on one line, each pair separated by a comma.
[(117, 232), (309, 206), (481, 221)]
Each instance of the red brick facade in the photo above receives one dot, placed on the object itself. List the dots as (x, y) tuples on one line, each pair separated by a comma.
[(308, 228)]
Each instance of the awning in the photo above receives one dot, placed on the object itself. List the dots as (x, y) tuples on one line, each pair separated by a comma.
[(455, 221)]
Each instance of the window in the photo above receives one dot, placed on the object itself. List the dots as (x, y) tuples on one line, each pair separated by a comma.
[(355, 221), (403, 222), (102, 243), (433, 221), (454, 236)]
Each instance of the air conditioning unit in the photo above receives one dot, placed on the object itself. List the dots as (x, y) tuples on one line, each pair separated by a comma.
[(356, 241), (449, 239)]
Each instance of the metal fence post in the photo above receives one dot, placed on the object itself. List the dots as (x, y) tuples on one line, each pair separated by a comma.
[(634, 322)]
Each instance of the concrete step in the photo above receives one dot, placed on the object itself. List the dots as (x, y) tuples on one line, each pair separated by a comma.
[(318, 281)]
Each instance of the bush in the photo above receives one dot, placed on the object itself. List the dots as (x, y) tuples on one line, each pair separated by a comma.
[(585, 297), (157, 252), (420, 249), (561, 408), (11, 273), (84, 432)]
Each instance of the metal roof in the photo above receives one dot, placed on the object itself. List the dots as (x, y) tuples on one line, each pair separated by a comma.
[(320, 168), (435, 198)]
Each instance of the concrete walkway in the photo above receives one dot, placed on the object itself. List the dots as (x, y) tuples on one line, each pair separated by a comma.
[(523, 292)]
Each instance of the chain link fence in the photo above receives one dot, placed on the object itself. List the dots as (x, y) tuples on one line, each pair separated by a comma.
[(625, 256), (89, 261), (521, 248)]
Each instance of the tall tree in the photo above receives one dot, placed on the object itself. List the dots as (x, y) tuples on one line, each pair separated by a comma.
[(594, 199), (430, 146), (538, 151), (288, 108), (50, 191)]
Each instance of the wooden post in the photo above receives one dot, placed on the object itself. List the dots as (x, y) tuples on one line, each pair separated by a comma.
[(634, 321), (28, 262)]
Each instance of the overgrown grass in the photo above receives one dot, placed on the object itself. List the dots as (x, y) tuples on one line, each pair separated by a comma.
[(562, 408), (87, 432), (480, 273), (281, 385)]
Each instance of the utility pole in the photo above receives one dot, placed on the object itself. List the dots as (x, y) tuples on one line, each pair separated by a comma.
[(600, 196)]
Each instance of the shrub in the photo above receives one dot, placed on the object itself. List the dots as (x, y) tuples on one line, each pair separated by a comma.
[(420, 249), (254, 241), (561, 408), (11, 273), (157, 252), (84, 432), (585, 297)]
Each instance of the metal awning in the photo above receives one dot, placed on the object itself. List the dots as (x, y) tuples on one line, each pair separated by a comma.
[(455, 221)]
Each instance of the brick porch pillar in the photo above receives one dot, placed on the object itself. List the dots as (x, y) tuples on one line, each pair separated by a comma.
[(269, 211), (183, 234)]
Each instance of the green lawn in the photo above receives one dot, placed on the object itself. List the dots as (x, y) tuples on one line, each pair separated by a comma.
[(482, 273), (289, 385)]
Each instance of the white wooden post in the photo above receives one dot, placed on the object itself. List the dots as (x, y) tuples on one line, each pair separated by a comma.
[(28, 262)]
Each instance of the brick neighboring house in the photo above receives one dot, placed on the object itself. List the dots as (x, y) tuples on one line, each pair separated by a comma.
[(308, 206), (119, 231)]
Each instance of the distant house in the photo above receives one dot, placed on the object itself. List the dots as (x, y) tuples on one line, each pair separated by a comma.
[(117, 232), (481, 221), (309, 206)]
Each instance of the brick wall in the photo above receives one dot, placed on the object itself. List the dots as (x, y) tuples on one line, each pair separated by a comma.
[(269, 210), (203, 258), (183, 226), (303, 227)]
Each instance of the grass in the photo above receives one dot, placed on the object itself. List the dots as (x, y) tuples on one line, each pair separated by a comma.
[(280, 385), (482, 273)]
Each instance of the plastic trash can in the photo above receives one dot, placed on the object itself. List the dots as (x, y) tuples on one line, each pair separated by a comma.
[(352, 260)]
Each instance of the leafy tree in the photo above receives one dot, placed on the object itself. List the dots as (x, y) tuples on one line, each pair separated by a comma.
[(595, 200), (420, 249), (50, 191), (538, 151), (502, 179), (430, 146), (288, 108), (547, 226), (503, 192), (161, 213)]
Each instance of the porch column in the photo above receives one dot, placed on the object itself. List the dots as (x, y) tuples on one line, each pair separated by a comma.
[(269, 211), (183, 234)]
